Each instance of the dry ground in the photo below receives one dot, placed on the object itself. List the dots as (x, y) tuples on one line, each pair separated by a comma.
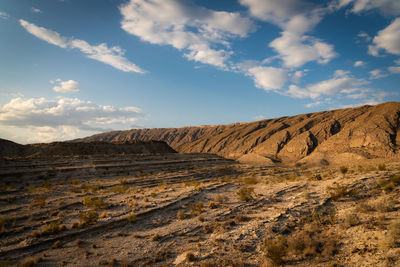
[(195, 210)]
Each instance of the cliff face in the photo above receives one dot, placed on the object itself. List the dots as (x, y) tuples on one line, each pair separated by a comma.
[(345, 134)]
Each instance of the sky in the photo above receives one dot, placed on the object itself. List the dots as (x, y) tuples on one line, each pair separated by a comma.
[(73, 68)]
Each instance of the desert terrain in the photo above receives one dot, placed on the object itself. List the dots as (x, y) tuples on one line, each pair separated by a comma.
[(97, 204)]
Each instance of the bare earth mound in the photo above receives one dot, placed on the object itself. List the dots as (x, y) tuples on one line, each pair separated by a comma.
[(329, 137), (8, 148)]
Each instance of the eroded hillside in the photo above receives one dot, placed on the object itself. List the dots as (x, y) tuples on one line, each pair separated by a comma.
[(334, 136)]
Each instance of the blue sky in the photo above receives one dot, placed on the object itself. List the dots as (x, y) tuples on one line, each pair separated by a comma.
[(73, 68)]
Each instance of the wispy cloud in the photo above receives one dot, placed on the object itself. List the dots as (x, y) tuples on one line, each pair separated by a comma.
[(386, 7), (113, 56), (342, 82), (4, 15), (359, 63), (36, 10), (377, 74)]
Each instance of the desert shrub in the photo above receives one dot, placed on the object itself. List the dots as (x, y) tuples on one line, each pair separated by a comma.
[(90, 188), (40, 200), (343, 169), (327, 216), (250, 180), (316, 177), (381, 167), (245, 193), (119, 189), (351, 219), (275, 249), (56, 244), (383, 182), (337, 192), (365, 207), (75, 181), (196, 208), (88, 217), (313, 241), (388, 187), (190, 257), (180, 215), (395, 179), (5, 222), (394, 233), (221, 199), (94, 202), (132, 218), (52, 228), (155, 237), (212, 205), (386, 205)]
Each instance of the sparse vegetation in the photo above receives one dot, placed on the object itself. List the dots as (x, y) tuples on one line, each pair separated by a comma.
[(94, 202), (88, 217), (343, 170), (132, 218), (245, 193), (382, 167)]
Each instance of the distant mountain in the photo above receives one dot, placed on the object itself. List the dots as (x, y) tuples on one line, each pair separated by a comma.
[(11, 149), (325, 137)]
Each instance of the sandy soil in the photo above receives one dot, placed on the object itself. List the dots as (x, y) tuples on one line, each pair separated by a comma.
[(195, 210)]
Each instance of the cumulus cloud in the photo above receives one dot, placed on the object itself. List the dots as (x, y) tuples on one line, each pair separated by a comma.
[(268, 78), (387, 39), (296, 50), (56, 116), (359, 63), (113, 56), (377, 74), (35, 10), (295, 18), (202, 34), (386, 7), (342, 82), (69, 86)]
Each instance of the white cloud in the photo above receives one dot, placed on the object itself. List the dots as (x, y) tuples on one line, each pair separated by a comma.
[(295, 18), (36, 10), (377, 74), (201, 33), (342, 82), (387, 39), (297, 50), (113, 56), (359, 63), (63, 116), (268, 78), (386, 7), (394, 69), (69, 86), (4, 15)]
